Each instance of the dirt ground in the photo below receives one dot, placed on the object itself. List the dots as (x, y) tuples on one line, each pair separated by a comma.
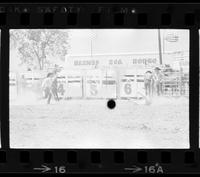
[(90, 124)]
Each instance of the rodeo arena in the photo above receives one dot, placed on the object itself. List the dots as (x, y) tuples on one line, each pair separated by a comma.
[(65, 104)]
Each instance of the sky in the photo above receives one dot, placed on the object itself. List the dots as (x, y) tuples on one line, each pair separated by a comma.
[(114, 41)]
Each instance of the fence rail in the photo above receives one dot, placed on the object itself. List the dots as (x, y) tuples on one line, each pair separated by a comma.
[(175, 84), (172, 84)]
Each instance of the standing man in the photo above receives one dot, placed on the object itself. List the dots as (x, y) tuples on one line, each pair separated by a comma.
[(22, 84), (157, 77), (148, 83), (55, 86), (47, 87)]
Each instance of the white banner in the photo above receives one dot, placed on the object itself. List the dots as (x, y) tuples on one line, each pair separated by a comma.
[(109, 61), (74, 84)]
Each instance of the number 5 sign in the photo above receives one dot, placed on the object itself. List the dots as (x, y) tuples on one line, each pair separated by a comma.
[(93, 83)]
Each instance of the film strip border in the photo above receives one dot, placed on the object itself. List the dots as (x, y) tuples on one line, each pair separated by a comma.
[(183, 16), (100, 15), (109, 161)]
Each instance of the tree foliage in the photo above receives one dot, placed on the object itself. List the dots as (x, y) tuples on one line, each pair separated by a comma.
[(37, 46)]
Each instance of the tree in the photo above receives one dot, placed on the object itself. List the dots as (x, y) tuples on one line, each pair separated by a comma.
[(35, 46)]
